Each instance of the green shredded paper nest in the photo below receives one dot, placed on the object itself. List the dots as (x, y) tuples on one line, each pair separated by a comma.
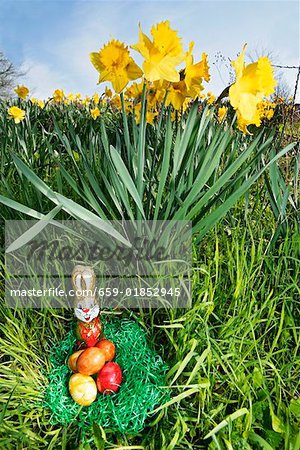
[(141, 390)]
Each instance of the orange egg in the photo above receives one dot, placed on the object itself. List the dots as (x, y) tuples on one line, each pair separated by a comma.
[(90, 361), (83, 389), (72, 361), (108, 348)]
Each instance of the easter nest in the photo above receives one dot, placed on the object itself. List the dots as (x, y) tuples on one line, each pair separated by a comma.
[(142, 389)]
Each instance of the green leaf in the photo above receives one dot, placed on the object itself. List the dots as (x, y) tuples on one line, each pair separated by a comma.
[(4, 409), (177, 399), (99, 441), (69, 205), (164, 167), (295, 408), (241, 412), (126, 178), (21, 208), (82, 213), (255, 438), (33, 231), (277, 424), (34, 179)]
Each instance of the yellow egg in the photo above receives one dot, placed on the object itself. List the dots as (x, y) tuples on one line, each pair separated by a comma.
[(83, 389)]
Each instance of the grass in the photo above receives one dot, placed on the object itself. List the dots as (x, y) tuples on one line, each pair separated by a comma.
[(234, 365)]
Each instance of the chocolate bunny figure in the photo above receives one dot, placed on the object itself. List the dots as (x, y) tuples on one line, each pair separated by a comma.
[(86, 307)]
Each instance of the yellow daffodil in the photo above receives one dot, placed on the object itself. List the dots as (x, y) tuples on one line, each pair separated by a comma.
[(72, 97), (86, 101), (253, 82), (16, 113), (162, 55), (36, 101), (177, 94), (96, 98), (269, 114), (116, 102), (156, 92), (40, 103), (108, 92), (128, 105), (190, 84), (135, 90), (266, 110), (242, 123), (150, 115), (186, 104), (222, 111), (115, 64), (210, 98), (175, 115), (58, 95), (194, 74), (95, 113), (22, 91)]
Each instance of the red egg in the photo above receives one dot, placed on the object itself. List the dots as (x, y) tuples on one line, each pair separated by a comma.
[(109, 378)]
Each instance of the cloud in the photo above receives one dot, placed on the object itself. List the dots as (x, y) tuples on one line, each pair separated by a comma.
[(41, 78)]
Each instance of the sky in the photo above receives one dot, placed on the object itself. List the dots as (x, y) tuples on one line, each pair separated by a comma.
[(52, 39)]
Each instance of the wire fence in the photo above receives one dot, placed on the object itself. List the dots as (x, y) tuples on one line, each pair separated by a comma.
[(279, 66), (294, 119)]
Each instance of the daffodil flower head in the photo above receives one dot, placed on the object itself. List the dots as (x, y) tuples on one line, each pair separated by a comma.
[(266, 110), (135, 90), (108, 92), (253, 82), (177, 95), (22, 91), (222, 111), (96, 98), (156, 92), (95, 112), (58, 95), (114, 64), (161, 55), (116, 102), (194, 74), (72, 97), (210, 98), (38, 102), (17, 114), (150, 114), (86, 101)]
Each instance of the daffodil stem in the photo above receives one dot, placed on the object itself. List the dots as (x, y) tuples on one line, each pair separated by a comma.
[(162, 111), (161, 114), (141, 149), (126, 130)]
